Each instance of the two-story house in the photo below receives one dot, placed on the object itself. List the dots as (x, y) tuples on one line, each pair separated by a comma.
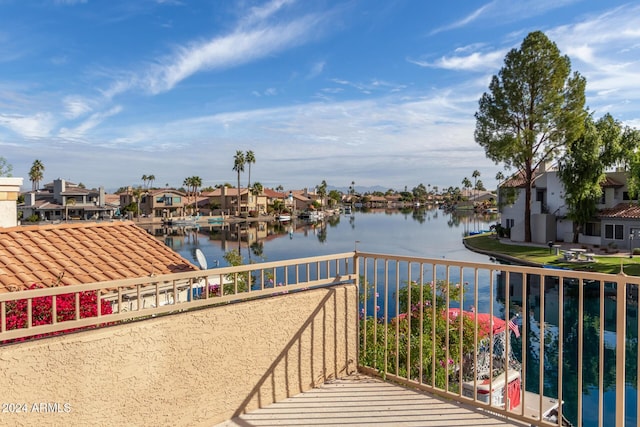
[(226, 198), (61, 200), (616, 224)]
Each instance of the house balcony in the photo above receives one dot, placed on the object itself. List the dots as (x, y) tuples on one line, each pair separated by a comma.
[(354, 338)]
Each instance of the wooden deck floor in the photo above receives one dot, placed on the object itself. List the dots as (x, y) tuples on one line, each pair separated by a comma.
[(360, 400)]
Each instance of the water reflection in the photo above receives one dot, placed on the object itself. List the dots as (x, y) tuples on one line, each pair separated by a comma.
[(598, 350), (407, 231)]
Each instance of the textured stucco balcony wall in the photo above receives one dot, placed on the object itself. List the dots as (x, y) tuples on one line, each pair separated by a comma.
[(188, 369)]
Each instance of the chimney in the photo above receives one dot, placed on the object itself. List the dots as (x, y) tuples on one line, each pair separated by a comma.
[(9, 190)]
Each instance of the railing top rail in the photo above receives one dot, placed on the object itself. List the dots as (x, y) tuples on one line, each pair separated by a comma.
[(550, 272), (183, 277)]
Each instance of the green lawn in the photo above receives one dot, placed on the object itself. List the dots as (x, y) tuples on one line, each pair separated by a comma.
[(542, 255)]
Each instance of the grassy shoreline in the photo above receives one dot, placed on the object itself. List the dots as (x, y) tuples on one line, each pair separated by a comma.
[(541, 255)]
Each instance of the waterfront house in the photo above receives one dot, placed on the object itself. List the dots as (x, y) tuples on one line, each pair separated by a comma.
[(60, 200), (273, 195), (160, 203), (225, 198), (616, 224)]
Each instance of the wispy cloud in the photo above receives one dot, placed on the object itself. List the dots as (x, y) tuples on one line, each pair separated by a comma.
[(473, 16), (316, 70), (93, 121), (476, 61), (238, 48), (259, 14), (75, 106), (35, 126), (69, 2), (605, 49), (502, 11)]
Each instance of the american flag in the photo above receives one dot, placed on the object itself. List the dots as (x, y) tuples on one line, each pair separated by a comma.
[(514, 327)]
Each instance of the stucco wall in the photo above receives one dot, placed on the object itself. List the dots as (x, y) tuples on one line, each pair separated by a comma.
[(188, 369)]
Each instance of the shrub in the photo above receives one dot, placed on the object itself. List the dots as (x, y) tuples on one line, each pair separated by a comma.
[(41, 310)]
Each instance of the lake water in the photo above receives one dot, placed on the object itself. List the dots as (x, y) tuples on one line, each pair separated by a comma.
[(424, 233), (421, 233)]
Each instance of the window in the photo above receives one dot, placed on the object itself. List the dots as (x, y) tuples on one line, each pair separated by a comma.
[(614, 231), (592, 229)]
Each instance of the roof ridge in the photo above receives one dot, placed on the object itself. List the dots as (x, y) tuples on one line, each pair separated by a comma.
[(20, 228)]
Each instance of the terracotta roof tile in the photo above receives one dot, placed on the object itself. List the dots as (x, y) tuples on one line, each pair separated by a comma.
[(83, 253), (621, 211)]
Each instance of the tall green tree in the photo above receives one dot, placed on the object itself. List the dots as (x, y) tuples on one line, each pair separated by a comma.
[(249, 158), (36, 173), (630, 159), (581, 171), (419, 192), (238, 166), (534, 105)]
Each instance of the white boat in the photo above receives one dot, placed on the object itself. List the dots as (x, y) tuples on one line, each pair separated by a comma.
[(503, 390), (284, 217), (188, 220)]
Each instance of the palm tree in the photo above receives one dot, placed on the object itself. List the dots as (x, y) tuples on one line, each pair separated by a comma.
[(256, 190), (151, 178), (249, 158), (466, 183), (196, 182), (322, 191), (137, 195), (238, 166), (36, 174), (475, 175), (69, 202), (191, 184)]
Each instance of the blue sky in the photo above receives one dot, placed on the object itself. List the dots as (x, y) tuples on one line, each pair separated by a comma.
[(375, 92)]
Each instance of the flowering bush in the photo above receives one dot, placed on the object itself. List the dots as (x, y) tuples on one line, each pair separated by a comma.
[(409, 340), (42, 310)]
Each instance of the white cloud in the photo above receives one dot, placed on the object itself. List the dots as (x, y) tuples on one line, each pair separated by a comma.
[(93, 121), (316, 70), (38, 125), (601, 48), (230, 50), (259, 14), (476, 61), (506, 11), (69, 2), (75, 106)]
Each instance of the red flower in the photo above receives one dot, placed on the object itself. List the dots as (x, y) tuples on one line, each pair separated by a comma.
[(42, 310)]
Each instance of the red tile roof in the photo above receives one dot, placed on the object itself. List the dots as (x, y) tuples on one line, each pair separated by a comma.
[(82, 253), (610, 182), (621, 211)]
